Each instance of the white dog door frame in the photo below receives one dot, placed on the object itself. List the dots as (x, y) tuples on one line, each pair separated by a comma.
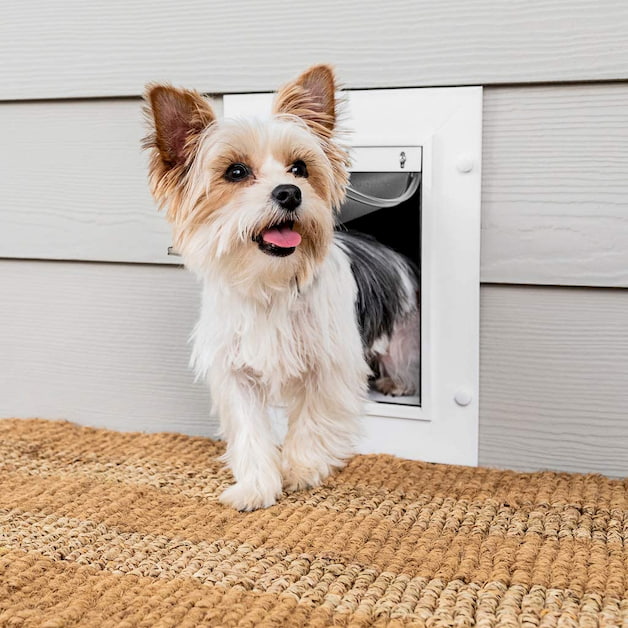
[(446, 123)]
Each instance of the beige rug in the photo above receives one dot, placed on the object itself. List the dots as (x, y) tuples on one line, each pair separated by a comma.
[(105, 529)]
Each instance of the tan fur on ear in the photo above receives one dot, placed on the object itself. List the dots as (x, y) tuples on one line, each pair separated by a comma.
[(176, 118), (311, 97)]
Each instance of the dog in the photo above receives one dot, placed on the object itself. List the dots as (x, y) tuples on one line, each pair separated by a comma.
[(294, 311)]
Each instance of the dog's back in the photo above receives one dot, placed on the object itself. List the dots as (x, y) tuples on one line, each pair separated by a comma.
[(387, 309)]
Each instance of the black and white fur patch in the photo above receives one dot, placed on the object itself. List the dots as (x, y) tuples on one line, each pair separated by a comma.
[(387, 308)]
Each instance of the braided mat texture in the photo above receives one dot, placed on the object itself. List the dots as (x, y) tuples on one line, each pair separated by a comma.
[(104, 529)]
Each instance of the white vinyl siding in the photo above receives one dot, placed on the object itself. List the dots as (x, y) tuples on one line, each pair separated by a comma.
[(554, 192), (112, 47), (106, 345)]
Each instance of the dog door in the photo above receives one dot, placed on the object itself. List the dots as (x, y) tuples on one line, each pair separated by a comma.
[(384, 201), (415, 186)]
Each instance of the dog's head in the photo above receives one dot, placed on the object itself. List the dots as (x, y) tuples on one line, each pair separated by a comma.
[(253, 200)]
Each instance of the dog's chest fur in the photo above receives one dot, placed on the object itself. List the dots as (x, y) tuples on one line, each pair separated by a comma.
[(294, 333)]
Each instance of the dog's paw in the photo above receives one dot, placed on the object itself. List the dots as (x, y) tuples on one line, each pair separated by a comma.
[(249, 497), (388, 386), (297, 477)]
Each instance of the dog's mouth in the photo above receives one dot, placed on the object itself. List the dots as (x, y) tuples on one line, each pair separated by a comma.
[(279, 240)]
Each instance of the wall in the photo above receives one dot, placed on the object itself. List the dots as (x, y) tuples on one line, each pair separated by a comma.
[(104, 343)]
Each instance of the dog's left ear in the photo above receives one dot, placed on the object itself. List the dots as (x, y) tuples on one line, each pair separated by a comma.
[(311, 97)]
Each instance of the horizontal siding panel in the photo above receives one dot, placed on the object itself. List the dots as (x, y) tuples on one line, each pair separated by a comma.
[(554, 204), (106, 345), (101, 344), (113, 47), (75, 184), (555, 185), (554, 379)]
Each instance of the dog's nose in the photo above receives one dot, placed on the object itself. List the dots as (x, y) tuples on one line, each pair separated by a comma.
[(287, 196)]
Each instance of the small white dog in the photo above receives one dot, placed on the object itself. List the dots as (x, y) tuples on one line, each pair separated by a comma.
[(293, 312)]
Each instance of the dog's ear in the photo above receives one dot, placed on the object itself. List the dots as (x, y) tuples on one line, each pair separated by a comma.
[(311, 97), (176, 118)]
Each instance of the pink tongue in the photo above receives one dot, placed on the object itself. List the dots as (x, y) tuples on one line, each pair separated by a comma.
[(282, 237)]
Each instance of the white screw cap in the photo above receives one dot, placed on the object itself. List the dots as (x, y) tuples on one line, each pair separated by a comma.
[(464, 164), (463, 397)]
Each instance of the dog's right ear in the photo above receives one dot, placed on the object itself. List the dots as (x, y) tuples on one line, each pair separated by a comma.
[(176, 118)]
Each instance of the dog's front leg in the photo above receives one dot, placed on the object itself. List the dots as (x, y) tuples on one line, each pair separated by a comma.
[(251, 454), (322, 428)]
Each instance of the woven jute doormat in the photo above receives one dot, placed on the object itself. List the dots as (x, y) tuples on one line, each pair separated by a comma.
[(106, 529)]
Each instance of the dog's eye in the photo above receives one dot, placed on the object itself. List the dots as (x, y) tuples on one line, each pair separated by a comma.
[(237, 172), (298, 169)]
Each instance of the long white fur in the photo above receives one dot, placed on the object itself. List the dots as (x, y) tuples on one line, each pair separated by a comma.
[(303, 349), (399, 356)]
